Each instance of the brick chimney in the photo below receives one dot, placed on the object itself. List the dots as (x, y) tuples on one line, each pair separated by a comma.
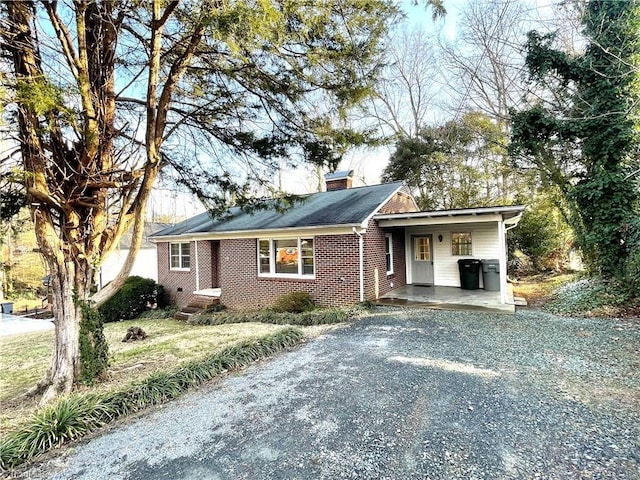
[(338, 180)]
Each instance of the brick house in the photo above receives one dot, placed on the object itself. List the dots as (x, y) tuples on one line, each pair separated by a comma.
[(342, 246)]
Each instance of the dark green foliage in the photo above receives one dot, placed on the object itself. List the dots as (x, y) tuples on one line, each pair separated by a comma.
[(542, 236), (584, 137), (320, 316), (631, 278), (459, 164), (136, 295), (76, 415), (215, 308), (94, 349), (294, 302), (12, 199)]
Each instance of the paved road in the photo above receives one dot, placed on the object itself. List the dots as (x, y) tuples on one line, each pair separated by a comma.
[(409, 394)]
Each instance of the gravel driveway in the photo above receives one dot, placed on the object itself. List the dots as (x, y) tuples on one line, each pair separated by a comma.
[(403, 394)]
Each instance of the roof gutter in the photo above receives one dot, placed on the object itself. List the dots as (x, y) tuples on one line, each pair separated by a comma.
[(513, 221), (273, 232), (453, 213)]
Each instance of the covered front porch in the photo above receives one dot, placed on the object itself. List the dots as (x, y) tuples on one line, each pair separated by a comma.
[(442, 247), (449, 298)]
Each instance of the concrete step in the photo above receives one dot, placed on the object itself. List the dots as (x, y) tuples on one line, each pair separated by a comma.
[(182, 316), (196, 304), (520, 301)]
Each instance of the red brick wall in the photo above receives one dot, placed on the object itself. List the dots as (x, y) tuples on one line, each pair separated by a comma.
[(215, 263), (178, 284), (339, 184), (401, 202), (336, 279), (232, 265), (375, 258), (181, 284)]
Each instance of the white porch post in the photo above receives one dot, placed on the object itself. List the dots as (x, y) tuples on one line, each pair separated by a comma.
[(195, 253), (502, 243), (360, 260)]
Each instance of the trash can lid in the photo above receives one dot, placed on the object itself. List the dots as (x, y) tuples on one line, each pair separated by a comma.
[(469, 261)]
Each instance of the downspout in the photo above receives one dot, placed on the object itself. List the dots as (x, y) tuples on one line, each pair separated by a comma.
[(197, 266), (361, 259)]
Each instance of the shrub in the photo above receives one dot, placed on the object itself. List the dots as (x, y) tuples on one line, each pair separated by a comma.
[(136, 295), (215, 308), (631, 273), (542, 240), (294, 302), (158, 313)]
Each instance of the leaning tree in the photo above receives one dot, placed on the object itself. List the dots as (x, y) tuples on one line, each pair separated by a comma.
[(105, 95)]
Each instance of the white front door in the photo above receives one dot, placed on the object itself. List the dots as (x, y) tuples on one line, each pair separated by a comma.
[(421, 260)]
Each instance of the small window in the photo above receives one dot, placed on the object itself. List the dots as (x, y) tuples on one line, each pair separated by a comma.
[(422, 249), (180, 256), (264, 256), (306, 253), (388, 252), (461, 244)]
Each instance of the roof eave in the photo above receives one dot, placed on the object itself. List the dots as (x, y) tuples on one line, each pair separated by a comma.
[(336, 229), (516, 209)]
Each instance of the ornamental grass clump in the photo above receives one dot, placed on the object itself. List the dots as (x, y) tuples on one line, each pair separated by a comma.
[(319, 316), (68, 419), (74, 416)]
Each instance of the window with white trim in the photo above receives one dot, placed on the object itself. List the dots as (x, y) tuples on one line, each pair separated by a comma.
[(286, 257), (180, 256), (461, 243), (388, 252)]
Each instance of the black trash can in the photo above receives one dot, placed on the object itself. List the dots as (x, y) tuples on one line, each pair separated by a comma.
[(491, 275), (469, 273)]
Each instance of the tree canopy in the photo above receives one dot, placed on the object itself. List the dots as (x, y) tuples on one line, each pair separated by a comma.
[(458, 164)]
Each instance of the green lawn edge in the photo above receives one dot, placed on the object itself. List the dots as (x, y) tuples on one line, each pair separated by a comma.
[(74, 416)]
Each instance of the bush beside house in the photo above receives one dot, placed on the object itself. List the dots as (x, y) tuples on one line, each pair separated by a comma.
[(136, 295)]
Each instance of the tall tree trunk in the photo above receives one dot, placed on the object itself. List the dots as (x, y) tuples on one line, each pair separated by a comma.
[(64, 367)]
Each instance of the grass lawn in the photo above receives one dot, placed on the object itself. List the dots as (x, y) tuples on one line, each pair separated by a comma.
[(537, 289), (24, 358)]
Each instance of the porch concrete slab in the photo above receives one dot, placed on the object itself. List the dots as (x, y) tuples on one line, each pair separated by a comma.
[(448, 298)]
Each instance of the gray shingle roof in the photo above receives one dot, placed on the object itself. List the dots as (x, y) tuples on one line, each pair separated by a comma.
[(338, 207)]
